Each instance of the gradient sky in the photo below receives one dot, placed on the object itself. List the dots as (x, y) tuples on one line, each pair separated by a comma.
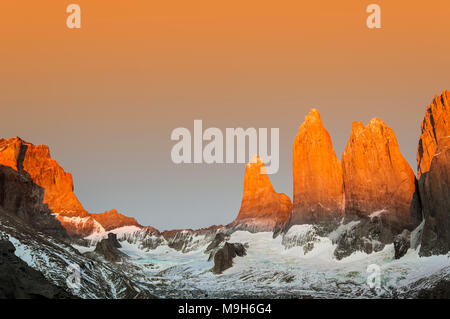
[(105, 98)]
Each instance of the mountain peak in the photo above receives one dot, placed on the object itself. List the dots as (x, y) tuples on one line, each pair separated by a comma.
[(261, 208), (435, 125), (376, 175), (318, 186)]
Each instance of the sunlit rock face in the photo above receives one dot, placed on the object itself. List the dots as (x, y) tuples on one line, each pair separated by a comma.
[(262, 209), (378, 181), (57, 185), (45, 172), (433, 166), (317, 172), (112, 219), (435, 125)]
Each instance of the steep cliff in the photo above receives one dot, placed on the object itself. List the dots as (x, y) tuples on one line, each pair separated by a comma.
[(318, 183)]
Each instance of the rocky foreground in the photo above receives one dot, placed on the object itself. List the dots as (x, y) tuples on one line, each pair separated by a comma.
[(366, 209)]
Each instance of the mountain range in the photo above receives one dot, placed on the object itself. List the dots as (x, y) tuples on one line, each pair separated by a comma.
[(366, 201)]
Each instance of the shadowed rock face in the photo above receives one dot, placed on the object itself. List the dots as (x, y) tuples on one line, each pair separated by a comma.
[(35, 162), (262, 209), (317, 172), (402, 243), (223, 259), (57, 185), (435, 193), (378, 181), (45, 172), (435, 125), (23, 199), (433, 166), (108, 248)]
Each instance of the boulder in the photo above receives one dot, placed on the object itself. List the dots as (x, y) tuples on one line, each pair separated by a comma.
[(223, 258)]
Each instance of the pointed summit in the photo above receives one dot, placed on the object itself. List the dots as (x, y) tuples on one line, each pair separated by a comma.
[(377, 177), (261, 208), (318, 185), (435, 125)]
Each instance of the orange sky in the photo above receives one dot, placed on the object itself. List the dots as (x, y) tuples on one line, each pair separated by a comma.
[(106, 97)]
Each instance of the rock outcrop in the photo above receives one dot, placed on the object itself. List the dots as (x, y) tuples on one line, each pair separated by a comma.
[(378, 181), (402, 243), (435, 194), (186, 240), (112, 219), (318, 183), (223, 258), (108, 248), (19, 281), (262, 209)]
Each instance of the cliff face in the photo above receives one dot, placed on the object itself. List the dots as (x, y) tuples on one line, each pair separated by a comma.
[(54, 186), (435, 192), (45, 172), (22, 199), (318, 183), (378, 181), (262, 209), (433, 166), (435, 125)]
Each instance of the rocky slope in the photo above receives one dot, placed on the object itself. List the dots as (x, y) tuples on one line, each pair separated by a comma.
[(20, 281), (318, 183), (262, 209)]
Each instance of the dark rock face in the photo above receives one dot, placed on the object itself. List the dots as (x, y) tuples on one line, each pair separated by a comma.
[(220, 238), (186, 240), (435, 194), (108, 248), (367, 235), (402, 243), (18, 280), (439, 291), (223, 259), (21, 198)]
